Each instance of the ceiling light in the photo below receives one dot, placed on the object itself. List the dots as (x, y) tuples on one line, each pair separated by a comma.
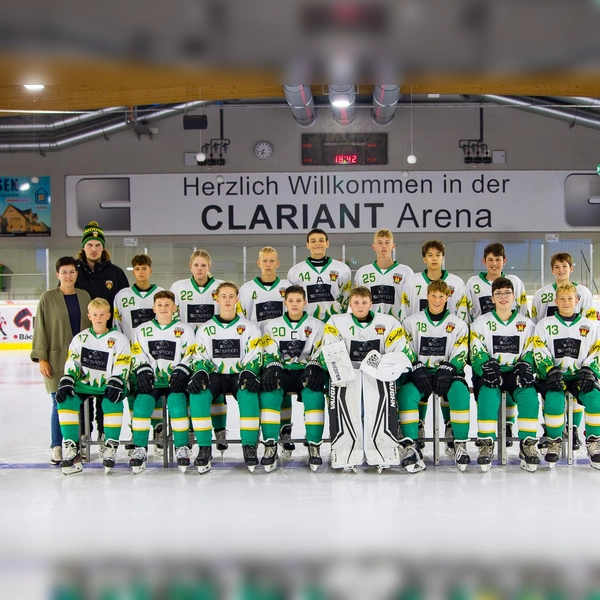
[(34, 86), (24, 187), (340, 101), (35, 179)]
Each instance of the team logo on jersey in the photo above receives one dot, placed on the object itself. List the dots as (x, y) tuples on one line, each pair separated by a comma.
[(240, 329), (333, 275), (451, 291), (583, 330), (379, 329), (520, 326), (397, 278), (450, 327), (282, 292), (214, 295), (178, 332), (307, 330), (110, 342), (108, 284)]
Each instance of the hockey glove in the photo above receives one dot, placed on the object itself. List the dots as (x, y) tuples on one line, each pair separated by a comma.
[(180, 377), (314, 377), (523, 373), (249, 381), (586, 380), (198, 382), (554, 380), (271, 377), (145, 379), (66, 387), (492, 375), (421, 377), (114, 389), (443, 378)]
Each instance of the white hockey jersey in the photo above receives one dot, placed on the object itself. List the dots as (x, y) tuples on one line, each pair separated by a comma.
[(133, 307), (196, 305), (327, 287), (259, 302), (163, 347), (93, 359), (386, 286), (414, 296), (506, 341), (544, 303), (435, 341), (228, 347), (292, 343), (479, 295)]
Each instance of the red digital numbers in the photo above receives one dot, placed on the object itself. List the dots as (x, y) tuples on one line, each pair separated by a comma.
[(345, 159)]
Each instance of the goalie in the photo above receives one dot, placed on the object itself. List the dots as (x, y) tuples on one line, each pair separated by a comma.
[(364, 353)]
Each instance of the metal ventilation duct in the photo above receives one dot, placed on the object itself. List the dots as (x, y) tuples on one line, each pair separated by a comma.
[(302, 104), (385, 99), (342, 114), (60, 124)]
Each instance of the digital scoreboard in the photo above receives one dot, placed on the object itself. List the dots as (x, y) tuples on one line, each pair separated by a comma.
[(333, 149)]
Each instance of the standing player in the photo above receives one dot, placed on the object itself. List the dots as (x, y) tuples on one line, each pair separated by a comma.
[(567, 357), (162, 354), (502, 360), (363, 415), (291, 348), (327, 281), (385, 277), (228, 361), (440, 341), (97, 366)]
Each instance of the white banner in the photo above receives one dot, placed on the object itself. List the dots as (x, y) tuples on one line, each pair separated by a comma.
[(361, 201), (16, 324)]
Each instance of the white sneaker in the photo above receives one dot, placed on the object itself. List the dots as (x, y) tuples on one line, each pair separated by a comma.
[(56, 455)]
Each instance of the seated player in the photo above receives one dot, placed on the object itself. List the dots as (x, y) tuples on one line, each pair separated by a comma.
[(97, 366), (228, 360), (162, 354), (291, 348), (567, 357), (364, 353), (440, 342), (502, 360)]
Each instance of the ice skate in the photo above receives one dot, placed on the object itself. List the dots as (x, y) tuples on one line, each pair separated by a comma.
[(412, 460), (553, 452), (421, 434), (202, 460), (71, 462), (509, 434), (314, 457), (351, 469), (593, 450), (250, 457), (461, 457), (56, 455), (102, 448), (221, 437), (528, 454), (449, 445), (110, 455), (182, 456), (486, 453), (576, 439), (158, 435), (286, 447), (269, 459), (138, 459)]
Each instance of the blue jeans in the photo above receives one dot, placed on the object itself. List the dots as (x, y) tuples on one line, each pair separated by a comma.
[(55, 432)]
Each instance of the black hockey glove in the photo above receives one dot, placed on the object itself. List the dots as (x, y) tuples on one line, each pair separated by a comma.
[(554, 380), (314, 377), (66, 387), (492, 376), (271, 377), (198, 382), (114, 389), (443, 378), (422, 379), (145, 379), (586, 379), (180, 377), (523, 373), (249, 381)]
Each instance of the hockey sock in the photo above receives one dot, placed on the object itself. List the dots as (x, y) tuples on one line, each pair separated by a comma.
[(68, 416), (314, 415), (591, 401), (140, 421), (218, 412), (270, 406), (180, 422), (554, 414), (459, 401), (286, 410), (113, 418), (200, 413), (488, 405), (529, 407), (249, 417), (409, 410)]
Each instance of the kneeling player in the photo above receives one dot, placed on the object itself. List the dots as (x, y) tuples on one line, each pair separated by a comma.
[(440, 342), (97, 366), (502, 361), (567, 356), (162, 355), (228, 361), (363, 416), (291, 347)]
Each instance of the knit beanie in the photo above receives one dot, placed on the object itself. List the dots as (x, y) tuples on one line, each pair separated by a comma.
[(92, 231)]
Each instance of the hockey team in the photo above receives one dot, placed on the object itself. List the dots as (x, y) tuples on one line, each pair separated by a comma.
[(376, 356)]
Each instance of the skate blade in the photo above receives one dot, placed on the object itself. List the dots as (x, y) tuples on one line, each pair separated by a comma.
[(595, 465), (314, 468), (416, 467), (251, 468), (352, 469), (72, 470), (551, 465), (108, 469), (270, 468), (528, 467), (183, 468), (382, 468), (462, 468), (138, 470), (485, 468), (204, 469)]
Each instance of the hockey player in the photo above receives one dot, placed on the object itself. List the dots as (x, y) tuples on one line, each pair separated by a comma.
[(363, 416), (97, 366), (440, 341), (327, 281), (227, 361), (162, 353), (385, 277), (291, 348), (502, 359), (567, 357)]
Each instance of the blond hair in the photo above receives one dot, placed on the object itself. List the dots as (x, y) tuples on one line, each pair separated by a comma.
[(99, 303), (439, 285), (383, 233), (203, 254), (566, 288), (267, 250), (360, 291)]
